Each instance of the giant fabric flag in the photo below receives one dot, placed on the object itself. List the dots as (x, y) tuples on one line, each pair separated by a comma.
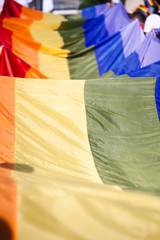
[(59, 54), (44, 56), (79, 159), (51, 62), (67, 48)]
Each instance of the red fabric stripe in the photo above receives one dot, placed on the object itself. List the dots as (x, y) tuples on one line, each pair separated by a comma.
[(14, 9), (6, 38), (11, 9), (11, 65)]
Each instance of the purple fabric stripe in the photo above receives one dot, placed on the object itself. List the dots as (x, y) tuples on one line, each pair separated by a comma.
[(116, 18), (149, 50), (132, 36), (101, 9)]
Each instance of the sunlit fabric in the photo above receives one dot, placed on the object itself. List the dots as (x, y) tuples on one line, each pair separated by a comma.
[(52, 47), (78, 159), (75, 151)]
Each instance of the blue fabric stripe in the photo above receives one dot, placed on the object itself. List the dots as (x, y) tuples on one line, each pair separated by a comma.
[(157, 96), (149, 71), (109, 53), (130, 64), (106, 25), (95, 31), (89, 12), (117, 51), (95, 11)]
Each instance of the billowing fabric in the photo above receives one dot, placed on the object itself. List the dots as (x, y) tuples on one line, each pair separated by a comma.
[(11, 65), (48, 53), (146, 54), (105, 25), (78, 159), (77, 154), (59, 54), (110, 53), (50, 50)]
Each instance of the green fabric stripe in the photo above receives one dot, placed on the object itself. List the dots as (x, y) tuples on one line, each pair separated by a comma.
[(86, 62), (72, 23), (81, 56), (124, 132), (73, 36)]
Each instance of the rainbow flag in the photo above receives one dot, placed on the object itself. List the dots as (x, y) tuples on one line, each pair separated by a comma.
[(78, 159), (58, 63), (142, 9), (149, 3), (56, 53)]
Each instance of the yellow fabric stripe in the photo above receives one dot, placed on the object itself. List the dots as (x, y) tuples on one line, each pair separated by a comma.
[(51, 210), (60, 195), (41, 24), (48, 37), (51, 130), (53, 17), (54, 51), (24, 29), (54, 67), (50, 21)]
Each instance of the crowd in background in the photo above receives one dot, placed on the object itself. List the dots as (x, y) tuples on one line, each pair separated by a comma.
[(148, 13)]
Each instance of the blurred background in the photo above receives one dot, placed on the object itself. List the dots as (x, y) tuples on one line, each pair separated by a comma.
[(64, 4)]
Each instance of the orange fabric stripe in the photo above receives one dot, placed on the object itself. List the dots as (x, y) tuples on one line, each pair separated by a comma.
[(23, 44), (26, 50), (8, 208), (31, 14), (19, 26), (8, 188), (32, 73), (7, 120)]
